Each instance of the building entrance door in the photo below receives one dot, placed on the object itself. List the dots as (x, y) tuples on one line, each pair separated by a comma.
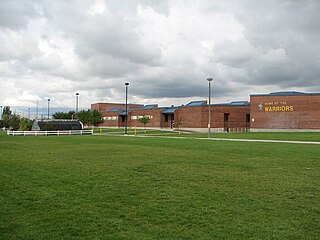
[(226, 122), (122, 121), (248, 122)]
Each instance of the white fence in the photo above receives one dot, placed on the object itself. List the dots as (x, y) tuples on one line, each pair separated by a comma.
[(48, 133)]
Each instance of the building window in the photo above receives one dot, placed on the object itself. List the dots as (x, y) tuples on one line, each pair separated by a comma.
[(166, 118)]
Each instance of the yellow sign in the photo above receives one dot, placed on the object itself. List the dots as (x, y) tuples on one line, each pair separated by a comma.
[(276, 107), (279, 109)]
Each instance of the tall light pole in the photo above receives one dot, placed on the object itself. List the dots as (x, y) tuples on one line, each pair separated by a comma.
[(48, 107), (77, 102), (209, 117), (1, 113), (126, 116)]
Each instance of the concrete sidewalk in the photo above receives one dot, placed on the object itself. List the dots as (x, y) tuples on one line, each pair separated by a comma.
[(265, 141)]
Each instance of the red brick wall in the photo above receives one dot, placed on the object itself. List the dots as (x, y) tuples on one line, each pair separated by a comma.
[(197, 117), (192, 117), (237, 116), (285, 112), (155, 117), (111, 119)]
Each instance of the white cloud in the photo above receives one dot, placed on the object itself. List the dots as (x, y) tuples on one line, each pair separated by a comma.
[(165, 49), (16, 45)]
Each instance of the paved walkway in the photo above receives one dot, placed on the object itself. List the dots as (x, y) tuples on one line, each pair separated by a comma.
[(218, 139), (265, 141)]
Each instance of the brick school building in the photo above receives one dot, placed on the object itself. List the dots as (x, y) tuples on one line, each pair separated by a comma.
[(285, 111), (234, 116)]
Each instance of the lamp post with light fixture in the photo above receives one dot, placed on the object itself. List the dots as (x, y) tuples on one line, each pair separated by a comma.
[(77, 102), (48, 108), (209, 117), (126, 114)]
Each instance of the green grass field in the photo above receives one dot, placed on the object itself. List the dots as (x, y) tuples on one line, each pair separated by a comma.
[(108, 187), (290, 136)]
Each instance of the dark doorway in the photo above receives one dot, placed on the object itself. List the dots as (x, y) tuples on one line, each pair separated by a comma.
[(248, 121), (167, 120), (248, 118), (226, 122), (226, 117)]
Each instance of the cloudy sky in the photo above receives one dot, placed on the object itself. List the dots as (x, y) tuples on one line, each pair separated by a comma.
[(165, 49)]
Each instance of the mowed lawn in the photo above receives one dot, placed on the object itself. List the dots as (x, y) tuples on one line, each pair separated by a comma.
[(288, 136), (107, 187)]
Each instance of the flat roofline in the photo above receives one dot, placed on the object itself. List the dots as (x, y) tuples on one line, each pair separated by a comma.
[(218, 105), (107, 103), (152, 109), (228, 105), (292, 93), (118, 103), (57, 120), (232, 103)]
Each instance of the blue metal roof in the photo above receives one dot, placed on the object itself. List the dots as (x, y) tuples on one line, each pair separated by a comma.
[(149, 107), (114, 109), (196, 103), (124, 112), (240, 103), (169, 110), (288, 93), (236, 103)]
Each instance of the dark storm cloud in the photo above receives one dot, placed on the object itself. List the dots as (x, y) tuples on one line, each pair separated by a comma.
[(183, 87)]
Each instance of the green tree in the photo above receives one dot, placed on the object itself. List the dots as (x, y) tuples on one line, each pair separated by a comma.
[(25, 124), (59, 115), (71, 115), (13, 122), (84, 116), (6, 120), (6, 117), (144, 120), (96, 117), (64, 115), (6, 110)]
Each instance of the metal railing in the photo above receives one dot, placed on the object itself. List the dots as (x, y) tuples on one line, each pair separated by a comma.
[(48, 133)]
